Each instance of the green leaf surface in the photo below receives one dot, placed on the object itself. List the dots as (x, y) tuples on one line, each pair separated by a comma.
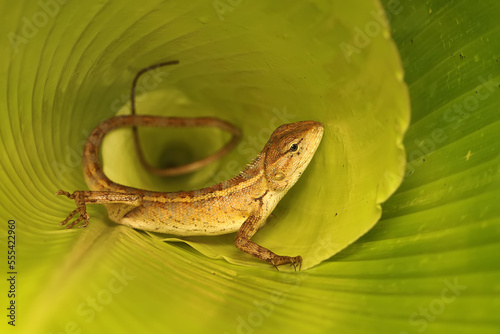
[(429, 265)]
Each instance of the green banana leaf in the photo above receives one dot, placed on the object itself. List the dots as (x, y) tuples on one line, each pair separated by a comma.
[(429, 265)]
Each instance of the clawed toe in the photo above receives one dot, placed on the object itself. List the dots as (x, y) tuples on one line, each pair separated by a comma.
[(294, 261), (86, 219), (81, 209), (65, 193)]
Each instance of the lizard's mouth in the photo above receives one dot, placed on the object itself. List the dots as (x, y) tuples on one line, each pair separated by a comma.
[(314, 138)]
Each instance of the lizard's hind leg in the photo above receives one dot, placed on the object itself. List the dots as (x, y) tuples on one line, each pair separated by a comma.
[(82, 198)]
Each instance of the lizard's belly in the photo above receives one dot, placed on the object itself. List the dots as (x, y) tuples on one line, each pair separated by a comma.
[(189, 218)]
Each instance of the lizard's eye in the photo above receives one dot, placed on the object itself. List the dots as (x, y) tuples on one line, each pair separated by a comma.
[(294, 147)]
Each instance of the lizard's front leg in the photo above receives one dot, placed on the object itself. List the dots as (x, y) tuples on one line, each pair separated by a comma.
[(243, 243), (82, 198)]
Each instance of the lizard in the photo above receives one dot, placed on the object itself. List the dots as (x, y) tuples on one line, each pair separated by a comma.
[(241, 204)]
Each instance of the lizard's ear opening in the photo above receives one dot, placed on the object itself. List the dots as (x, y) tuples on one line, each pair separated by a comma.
[(276, 179), (279, 165), (289, 151), (275, 163)]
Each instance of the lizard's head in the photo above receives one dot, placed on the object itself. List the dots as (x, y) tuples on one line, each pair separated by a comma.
[(289, 151)]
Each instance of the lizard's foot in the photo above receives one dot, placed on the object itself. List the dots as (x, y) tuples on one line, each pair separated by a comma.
[(280, 260), (81, 208)]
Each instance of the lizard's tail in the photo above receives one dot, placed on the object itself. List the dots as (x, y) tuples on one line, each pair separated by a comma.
[(92, 168)]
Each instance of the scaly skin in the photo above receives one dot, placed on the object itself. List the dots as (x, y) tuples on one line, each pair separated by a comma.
[(240, 204)]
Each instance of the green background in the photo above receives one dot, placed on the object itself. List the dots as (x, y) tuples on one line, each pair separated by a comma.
[(429, 265)]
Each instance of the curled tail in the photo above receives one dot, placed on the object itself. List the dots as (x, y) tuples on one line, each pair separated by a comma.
[(92, 167)]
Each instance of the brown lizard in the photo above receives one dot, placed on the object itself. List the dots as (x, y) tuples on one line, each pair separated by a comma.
[(240, 204)]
